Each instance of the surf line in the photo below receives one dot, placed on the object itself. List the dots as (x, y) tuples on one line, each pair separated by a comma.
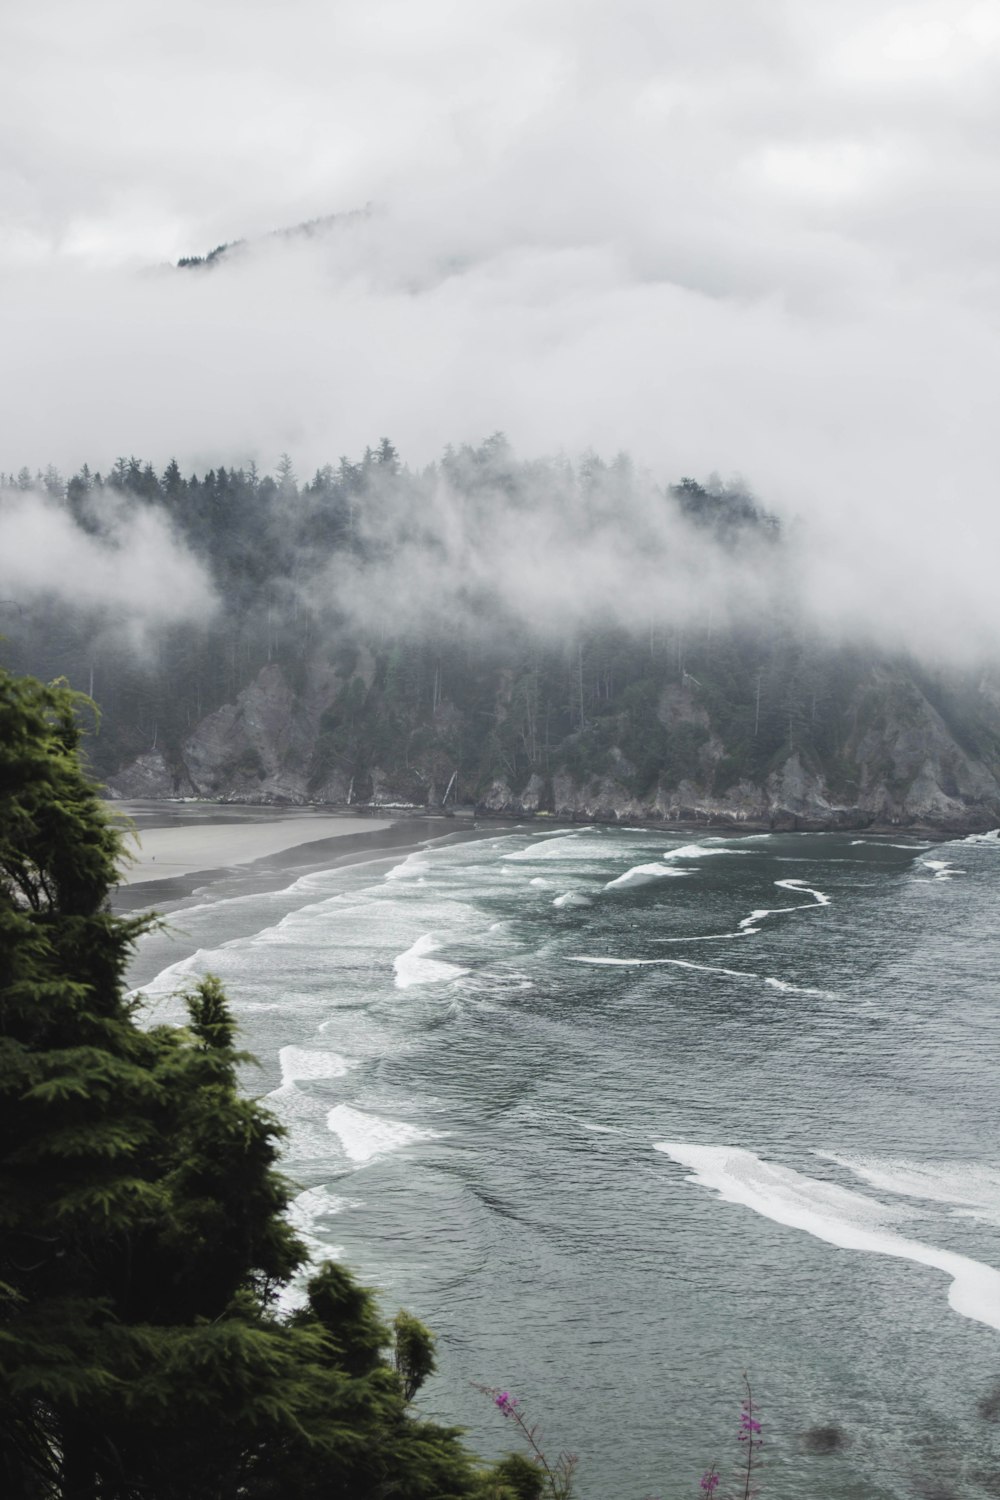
[(820, 898), (840, 1216), (749, 925), (643, 963)]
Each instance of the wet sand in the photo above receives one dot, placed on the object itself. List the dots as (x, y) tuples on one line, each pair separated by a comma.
[(224, 849), (192, 848)]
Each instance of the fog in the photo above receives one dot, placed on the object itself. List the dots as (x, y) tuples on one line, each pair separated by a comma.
[(732, 236), (129, 568), (549, 551), (564, 548)]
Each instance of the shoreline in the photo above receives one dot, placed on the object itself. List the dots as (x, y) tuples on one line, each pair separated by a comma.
[(184, 845), (332, 840), (716, 825), (182, 849), (474, 816)]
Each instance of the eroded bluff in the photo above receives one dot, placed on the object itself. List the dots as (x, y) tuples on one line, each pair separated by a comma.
[(894, 751)]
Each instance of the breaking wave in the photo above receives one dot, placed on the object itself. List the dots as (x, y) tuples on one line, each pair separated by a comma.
[(414, 967), (841, 1217), (364, 1136)]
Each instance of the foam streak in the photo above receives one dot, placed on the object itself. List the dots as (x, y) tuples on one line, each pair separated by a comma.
[(837, 1215)]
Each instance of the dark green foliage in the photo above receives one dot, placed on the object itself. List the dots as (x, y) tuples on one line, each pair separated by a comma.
[(520, 1479), (142, 1237), (414, 1352)]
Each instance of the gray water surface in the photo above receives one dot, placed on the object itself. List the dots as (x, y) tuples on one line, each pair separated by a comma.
[(480, 1049)]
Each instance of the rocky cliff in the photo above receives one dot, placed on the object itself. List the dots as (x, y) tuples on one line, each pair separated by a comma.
[(902, 760)]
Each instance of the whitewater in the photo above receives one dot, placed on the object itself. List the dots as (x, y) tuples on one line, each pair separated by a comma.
[(622, 1114)]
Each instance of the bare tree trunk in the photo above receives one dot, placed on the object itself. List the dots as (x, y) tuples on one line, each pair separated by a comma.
[(579, 674)]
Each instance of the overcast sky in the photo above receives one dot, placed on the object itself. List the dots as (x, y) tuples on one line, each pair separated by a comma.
[(741, 235)]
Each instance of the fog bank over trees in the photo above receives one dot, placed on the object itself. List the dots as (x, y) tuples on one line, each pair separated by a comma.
[(485, 620)]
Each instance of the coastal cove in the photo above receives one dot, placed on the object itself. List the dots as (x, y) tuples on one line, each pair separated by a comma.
[(623, 1111), (176, 848), (500, 752)]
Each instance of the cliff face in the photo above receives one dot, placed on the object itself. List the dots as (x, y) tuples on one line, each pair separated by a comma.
[(902, 761)]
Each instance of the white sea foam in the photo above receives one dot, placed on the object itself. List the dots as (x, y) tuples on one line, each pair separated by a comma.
[(305, 1213), (943, 868), (643, 875), (547, 833), (308, 1209), (991, 838), (797, 989), (625, 963), (413, 866), (708, 937), (644, 963), (717, 969), (568, 846), (684, 963), (298, 1063), (701, 851), (884, 844), (820, 898), (970, 1189), (751, 923), (304, 1118), (836, 1215), (572, 898), (175, 976), (748, 926), (414, 967), (540, 880), (365, 1136)]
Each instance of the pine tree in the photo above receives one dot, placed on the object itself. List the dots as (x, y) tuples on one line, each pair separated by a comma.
[(142, 1236)]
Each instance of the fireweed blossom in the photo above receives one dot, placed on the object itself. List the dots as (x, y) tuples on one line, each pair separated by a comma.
[(557, 1474), (748, 1427), (749, 1434)]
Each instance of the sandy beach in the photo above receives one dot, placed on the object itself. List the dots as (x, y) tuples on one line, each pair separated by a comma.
[(193, 848)]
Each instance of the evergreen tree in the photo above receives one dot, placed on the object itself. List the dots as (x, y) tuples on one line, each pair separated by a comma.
[(142, 1237)]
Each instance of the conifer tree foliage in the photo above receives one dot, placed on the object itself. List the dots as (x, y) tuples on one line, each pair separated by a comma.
[(142, 1237)]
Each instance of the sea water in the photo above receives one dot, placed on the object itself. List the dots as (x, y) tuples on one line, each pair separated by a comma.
[(623, 1115)]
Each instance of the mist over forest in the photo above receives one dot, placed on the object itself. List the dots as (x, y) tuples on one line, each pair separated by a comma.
[(510, 630)]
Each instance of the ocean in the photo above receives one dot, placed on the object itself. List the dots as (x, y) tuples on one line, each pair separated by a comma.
[(623, 1115)]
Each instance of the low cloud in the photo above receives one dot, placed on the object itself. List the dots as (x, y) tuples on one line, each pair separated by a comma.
[(552, 549), (737, 236), (128, 566)]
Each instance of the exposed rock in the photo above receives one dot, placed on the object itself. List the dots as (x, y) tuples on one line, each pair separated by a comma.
[(407, 788), (901, 766), (534, 798), (147, 776), (256, 749)]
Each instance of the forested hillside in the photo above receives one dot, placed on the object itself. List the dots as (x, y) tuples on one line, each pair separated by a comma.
[(524, 636)]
